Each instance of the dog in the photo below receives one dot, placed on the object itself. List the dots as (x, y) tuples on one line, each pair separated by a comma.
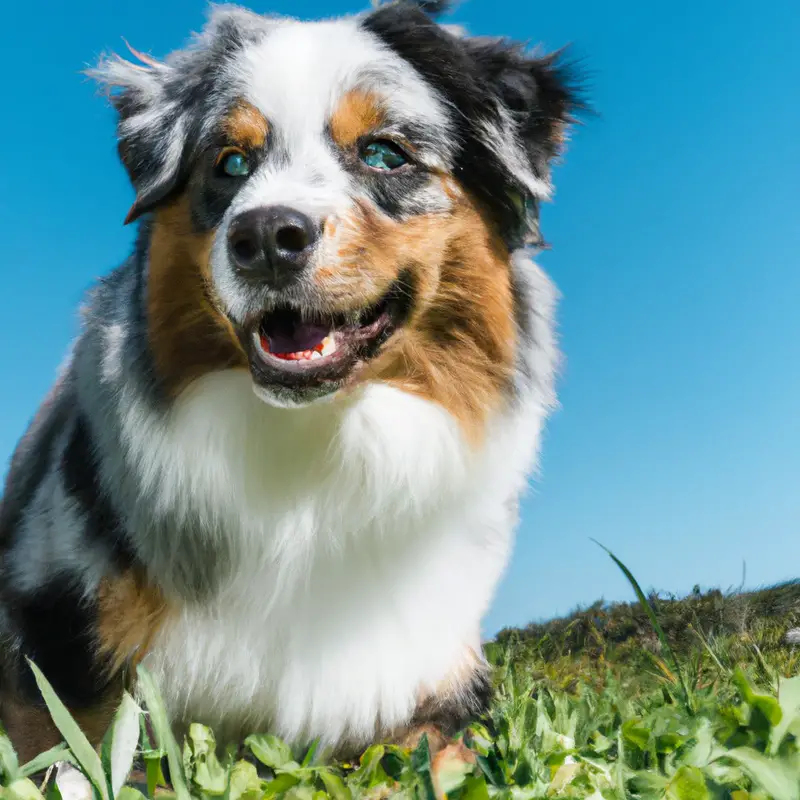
[(282, 464)]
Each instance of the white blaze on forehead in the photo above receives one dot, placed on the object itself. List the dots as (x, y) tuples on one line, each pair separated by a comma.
[(299, 71), (296, 75), (312, 182)]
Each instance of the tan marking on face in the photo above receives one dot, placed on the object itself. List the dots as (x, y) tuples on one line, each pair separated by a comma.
[(451, 188), (331, 225), (189, 335), (246, 126), (130, 613), (458, 348), (358, 114)]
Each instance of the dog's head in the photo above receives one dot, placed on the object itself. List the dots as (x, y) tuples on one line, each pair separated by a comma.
[(337, 202)]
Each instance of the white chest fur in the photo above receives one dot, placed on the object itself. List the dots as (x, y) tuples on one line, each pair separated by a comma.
[(367, 538)]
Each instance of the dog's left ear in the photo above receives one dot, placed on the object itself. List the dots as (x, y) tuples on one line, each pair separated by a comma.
[(537, 94), (536, 99)]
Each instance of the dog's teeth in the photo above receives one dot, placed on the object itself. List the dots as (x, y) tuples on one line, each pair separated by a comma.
[(315, 355), (328, 345)]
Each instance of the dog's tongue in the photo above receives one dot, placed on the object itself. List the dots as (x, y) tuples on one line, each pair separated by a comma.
[(293, 337)]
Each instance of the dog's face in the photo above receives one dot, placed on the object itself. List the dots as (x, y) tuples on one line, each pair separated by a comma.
[(336, 202)]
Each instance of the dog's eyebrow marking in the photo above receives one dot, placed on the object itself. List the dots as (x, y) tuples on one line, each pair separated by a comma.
[(246, 126), (358, 113)]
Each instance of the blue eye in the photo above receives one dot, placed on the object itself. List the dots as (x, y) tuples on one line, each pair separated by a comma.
[(235, 164), (383, 155)]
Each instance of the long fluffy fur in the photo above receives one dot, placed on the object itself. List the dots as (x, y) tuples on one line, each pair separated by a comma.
[(308, 554)]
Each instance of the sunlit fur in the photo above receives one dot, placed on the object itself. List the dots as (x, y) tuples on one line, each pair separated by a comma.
[(310, 558)]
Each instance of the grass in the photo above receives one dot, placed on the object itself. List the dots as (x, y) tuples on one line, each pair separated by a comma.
[(688, 698)]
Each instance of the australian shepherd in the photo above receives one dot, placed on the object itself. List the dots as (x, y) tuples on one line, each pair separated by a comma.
[(282, 464)]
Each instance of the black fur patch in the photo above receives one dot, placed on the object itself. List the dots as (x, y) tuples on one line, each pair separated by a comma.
[(210, 191), (138, 351), (31, 462), (452, 713), (55, 626), (443, 62), (81, 481), (480, 78), (394, 194)]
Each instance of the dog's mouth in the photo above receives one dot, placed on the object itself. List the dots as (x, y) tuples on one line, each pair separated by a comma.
[(301, 341), (301, 350)]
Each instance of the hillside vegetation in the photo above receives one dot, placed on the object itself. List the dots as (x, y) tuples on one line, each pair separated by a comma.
[(709, 632), (689, 698)]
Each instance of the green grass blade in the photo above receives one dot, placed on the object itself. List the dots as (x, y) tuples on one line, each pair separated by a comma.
[(9, 765), (124, 741), (45, 760), (778, 780), (52, 792), (129, 793), (707, 647), (165, 738), (421, 764), (662, 637), (310, 753), (85, 755), (22, 789), (152, 765), (789, 699)]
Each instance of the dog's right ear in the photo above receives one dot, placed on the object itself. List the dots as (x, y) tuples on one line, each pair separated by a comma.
[(151, 130), (157, 101)]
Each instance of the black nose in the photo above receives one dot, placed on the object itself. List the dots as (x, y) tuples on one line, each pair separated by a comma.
[(273, 244)]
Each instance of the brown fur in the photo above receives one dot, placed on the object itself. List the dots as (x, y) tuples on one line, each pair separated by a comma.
[(130, 614), (458, 348), (453, 755), (446, 753), (410, 737), (452, 697), (32, 731), (246, 127), (358, 114), (441, 712), (189, 336)]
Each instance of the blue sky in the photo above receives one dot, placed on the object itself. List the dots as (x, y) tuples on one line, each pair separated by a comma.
[(675, 239)]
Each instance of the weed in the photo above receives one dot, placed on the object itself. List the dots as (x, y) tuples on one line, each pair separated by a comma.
[(689, 699)]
